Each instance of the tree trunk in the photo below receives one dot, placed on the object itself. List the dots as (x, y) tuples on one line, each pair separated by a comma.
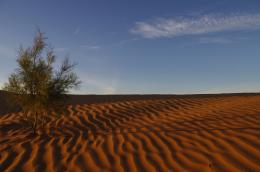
[(43, 120), (35, 123)]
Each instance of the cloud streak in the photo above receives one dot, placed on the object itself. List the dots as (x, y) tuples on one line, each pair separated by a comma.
[(211, 23), (90, 47), (60, 49), (93, 84), (215, 40)]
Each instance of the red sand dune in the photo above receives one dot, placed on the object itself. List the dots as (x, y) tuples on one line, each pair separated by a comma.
[(139, 133)]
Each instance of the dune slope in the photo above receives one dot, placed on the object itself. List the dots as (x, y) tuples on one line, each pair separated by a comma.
[(144, 133)]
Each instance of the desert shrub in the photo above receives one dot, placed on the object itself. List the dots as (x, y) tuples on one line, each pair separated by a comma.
[(36, 86)]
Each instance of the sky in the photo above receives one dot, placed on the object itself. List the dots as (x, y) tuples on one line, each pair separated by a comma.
[(142, 46)]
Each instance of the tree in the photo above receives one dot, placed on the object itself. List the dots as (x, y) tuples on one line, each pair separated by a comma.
[(36, 86)]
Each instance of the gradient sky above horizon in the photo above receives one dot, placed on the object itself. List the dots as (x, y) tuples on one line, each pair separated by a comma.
[(142, 47)]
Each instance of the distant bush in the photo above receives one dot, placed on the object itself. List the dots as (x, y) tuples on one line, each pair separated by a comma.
[(37, 87)]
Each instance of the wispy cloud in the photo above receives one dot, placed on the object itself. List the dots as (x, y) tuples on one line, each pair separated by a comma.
[(60, 49), (210, 23), (90, 47), (216, 40), (94, 84), (221, 39), (123, 42)]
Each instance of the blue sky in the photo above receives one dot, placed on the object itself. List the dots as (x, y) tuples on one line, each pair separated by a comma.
[(125, 47)]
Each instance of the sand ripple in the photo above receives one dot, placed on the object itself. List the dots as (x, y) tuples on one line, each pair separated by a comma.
[(192, 133)]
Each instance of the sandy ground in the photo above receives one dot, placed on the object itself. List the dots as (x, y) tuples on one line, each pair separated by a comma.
[(139, 133)]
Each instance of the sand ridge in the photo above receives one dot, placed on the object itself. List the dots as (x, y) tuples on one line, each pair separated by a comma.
[(160, 133)]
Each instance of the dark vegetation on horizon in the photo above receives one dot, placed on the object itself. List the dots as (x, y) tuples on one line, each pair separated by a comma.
[(93, 99)]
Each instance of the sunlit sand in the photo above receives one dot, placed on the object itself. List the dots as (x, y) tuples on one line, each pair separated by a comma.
[(139, 133)]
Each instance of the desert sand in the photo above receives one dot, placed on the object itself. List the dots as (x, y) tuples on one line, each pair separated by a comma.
[(144, 133)]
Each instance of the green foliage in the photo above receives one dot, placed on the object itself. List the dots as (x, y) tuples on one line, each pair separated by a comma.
[(37, 88)]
